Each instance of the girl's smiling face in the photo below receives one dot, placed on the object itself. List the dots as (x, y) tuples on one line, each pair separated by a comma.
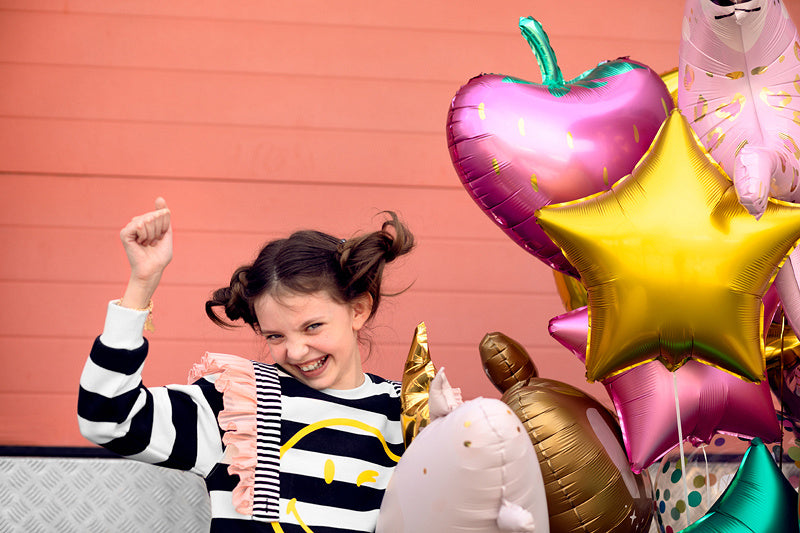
[(313, 337)]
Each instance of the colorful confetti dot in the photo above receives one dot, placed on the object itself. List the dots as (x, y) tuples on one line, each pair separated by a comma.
[(695, 498)]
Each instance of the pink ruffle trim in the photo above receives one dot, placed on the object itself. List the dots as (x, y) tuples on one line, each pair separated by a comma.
[(237, 383)]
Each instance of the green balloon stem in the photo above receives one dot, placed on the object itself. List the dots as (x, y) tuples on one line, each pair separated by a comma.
[(545, 55)]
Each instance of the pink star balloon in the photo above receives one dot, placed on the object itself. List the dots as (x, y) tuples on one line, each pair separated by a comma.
[(711, 401)]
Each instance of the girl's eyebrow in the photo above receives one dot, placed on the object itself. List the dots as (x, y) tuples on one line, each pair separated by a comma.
[(315, 320), (303, 325)]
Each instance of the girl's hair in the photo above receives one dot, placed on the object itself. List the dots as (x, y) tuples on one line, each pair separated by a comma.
[(310, 261)]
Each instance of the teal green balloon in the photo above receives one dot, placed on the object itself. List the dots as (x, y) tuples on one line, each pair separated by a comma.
[(759, 499)]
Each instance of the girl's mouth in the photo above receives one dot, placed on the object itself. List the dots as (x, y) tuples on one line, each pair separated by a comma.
[(314, 365)]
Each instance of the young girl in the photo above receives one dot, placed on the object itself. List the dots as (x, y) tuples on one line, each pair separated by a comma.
[(305, 444)]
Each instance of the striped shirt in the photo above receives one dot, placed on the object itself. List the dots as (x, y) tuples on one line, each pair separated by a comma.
[(324, 458)]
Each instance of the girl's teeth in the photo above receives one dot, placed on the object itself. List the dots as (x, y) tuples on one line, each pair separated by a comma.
[(318, 364)]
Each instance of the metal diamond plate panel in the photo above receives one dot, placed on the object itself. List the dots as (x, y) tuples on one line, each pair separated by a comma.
[(44, 495)]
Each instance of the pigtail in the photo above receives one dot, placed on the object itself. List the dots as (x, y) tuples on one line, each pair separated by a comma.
[(309, 261), (363, 258), (234, 300)]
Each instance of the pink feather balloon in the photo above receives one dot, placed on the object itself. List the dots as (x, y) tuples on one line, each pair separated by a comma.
[(739, 86), (739, 83)]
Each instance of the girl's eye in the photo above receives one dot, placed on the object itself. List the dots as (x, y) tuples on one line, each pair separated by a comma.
[(274, 337), (314, 326)]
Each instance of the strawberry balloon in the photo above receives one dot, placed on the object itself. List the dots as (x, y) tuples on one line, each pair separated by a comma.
[(518, 146)]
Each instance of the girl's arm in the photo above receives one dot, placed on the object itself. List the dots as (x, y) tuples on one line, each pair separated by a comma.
[(173, 426)]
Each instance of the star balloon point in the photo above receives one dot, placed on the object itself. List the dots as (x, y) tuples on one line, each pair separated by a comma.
[(674, 267)]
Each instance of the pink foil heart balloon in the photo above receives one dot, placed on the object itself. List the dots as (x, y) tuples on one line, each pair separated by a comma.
[(518, 146)]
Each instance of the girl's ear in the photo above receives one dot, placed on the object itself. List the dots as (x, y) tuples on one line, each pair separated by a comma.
[(362, 307)]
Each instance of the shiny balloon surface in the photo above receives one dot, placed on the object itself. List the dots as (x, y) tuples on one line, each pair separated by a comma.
[(518, 146)]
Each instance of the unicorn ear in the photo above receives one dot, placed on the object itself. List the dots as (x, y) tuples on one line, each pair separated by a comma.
[(443, 398), (514, 518)]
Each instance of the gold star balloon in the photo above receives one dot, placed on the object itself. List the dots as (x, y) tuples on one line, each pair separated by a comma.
[(673, 265)]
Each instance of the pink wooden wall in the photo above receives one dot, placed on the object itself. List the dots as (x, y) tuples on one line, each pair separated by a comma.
[(254, 118)]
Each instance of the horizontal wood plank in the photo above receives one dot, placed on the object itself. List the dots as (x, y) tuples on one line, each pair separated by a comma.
[(494, 267), (79, 147), (585, 18), (259, 209), (263, 101), (457, 318)]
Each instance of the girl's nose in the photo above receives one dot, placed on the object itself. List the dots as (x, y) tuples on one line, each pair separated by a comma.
[(296, 350)]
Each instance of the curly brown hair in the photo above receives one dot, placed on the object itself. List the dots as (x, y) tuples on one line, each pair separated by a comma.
[(309, 261)]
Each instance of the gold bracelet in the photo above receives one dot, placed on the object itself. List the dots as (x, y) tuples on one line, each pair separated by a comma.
[(148, 322)]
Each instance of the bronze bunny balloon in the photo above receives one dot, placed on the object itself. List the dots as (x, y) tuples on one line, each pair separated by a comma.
[(589, 485)]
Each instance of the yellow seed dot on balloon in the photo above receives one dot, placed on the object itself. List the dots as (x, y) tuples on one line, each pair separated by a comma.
[(329, 471), (521, 126), (735, 75), (781, 59), (758, 70), (790, 143), (467, 443), (482, 111), (534, 183), (570, 142), (467, 424), (635, 133), (605, 176), (664, 105), (495, 166), (688, 77)]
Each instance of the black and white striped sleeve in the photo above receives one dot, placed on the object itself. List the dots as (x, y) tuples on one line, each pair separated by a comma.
[(173, 426)]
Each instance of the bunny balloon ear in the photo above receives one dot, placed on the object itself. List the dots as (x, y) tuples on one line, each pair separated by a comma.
[(418, 375), (443, 397)]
